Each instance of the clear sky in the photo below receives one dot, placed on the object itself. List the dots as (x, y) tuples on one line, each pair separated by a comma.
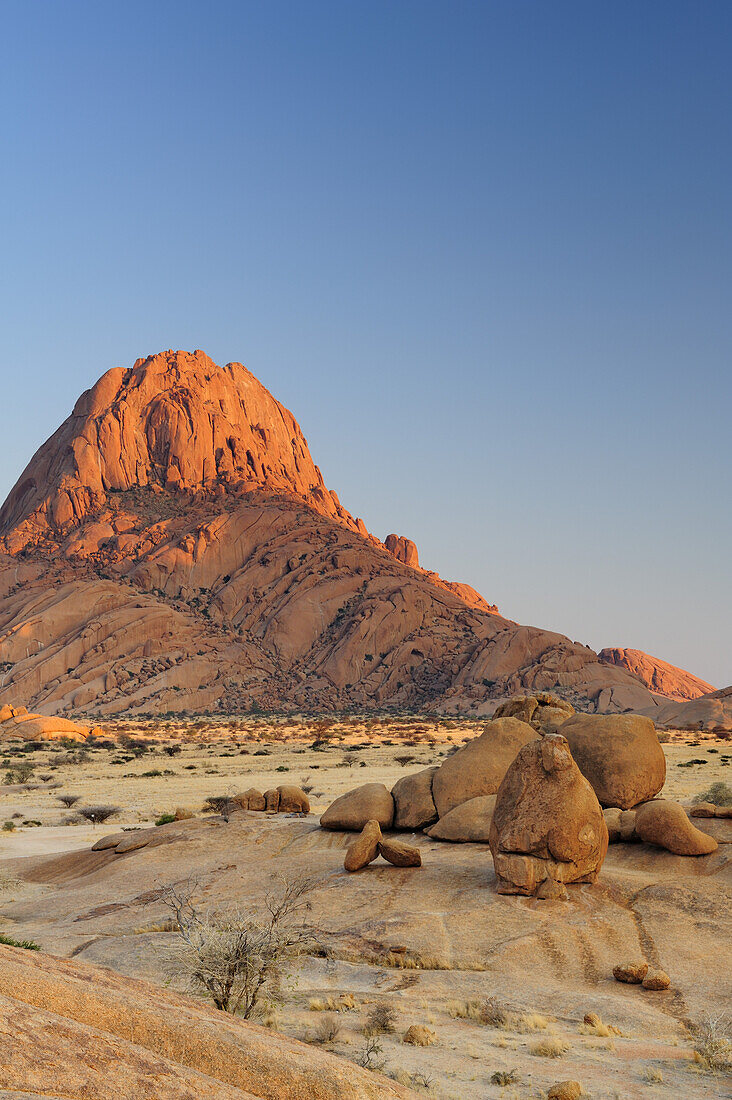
[(481, 250)]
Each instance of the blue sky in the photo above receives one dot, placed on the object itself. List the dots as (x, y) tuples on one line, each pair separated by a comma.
[(481, 250)]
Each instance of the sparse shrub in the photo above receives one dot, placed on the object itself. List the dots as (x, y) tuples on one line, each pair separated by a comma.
[(505, 1077), (165, 819), (68, 800), (97, 814), (233, 957), (371, 1057), (8, 826), (713, 1043), (404, 759), (719, 793), (328, 1030), (19, 773), (381, 1019), (171, 750)]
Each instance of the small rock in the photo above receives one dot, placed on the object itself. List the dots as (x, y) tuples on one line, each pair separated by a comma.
[(565, 1090), (703, 809), (364, 849), (656, 979), (419, 1036), (400, 855), (551, 890), (633, 972)]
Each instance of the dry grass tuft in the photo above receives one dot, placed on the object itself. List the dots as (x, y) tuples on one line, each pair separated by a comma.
[(652, 1076), (551, 1046), (346, 1002)]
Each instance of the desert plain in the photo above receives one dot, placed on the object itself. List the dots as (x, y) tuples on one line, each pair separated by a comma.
[(501, 984)]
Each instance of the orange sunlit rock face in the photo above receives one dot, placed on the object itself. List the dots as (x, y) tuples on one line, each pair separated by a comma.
[(173, 546), (658, 676)]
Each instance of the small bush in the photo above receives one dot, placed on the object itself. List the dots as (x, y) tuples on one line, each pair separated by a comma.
[(381, 1019), (68, 800), (505, 1077), (328, 1030), (165, 819), (97, 814), (719, 793), (19, 773), (714, 1042), (27, 945), (8, 826)]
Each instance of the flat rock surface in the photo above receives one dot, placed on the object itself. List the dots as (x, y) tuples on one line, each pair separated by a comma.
[(428, 941)]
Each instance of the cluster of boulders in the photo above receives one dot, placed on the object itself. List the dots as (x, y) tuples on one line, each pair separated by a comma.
[(546, 787), (284, 799), (639, 973), (372, 843)]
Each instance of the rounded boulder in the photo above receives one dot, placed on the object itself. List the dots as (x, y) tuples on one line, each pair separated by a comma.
[(478, 767), (619, 754), (666, 825), (350, 812), (547, 822)]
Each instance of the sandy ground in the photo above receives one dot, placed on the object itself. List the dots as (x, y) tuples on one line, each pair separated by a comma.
[(457, 940)]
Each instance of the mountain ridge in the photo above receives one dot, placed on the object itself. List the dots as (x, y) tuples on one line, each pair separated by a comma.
[(173, 546)]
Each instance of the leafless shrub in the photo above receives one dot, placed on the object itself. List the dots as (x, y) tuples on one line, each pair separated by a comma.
[(381, 1019), (97, 814), (714, 1042), (371, 1055), (68, 800), (232, 956), (328, 1030)]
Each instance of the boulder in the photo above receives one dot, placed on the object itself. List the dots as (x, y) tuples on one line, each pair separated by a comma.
[(632, 973), (351, 811), (656, 979), (400, 855), (110, 841), (470, 822), (478, 767), (251, 799), (620, 754), (518, 706), (551, 890), (545, 712), (547, 822), (666, 825), (414, 806), (293, 800), (703, 809), (417, 1035), (364, 849), (138, 838), (272, 801)]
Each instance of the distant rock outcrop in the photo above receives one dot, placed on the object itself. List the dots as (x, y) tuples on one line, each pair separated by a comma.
[(173, 546), (658, 676)]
